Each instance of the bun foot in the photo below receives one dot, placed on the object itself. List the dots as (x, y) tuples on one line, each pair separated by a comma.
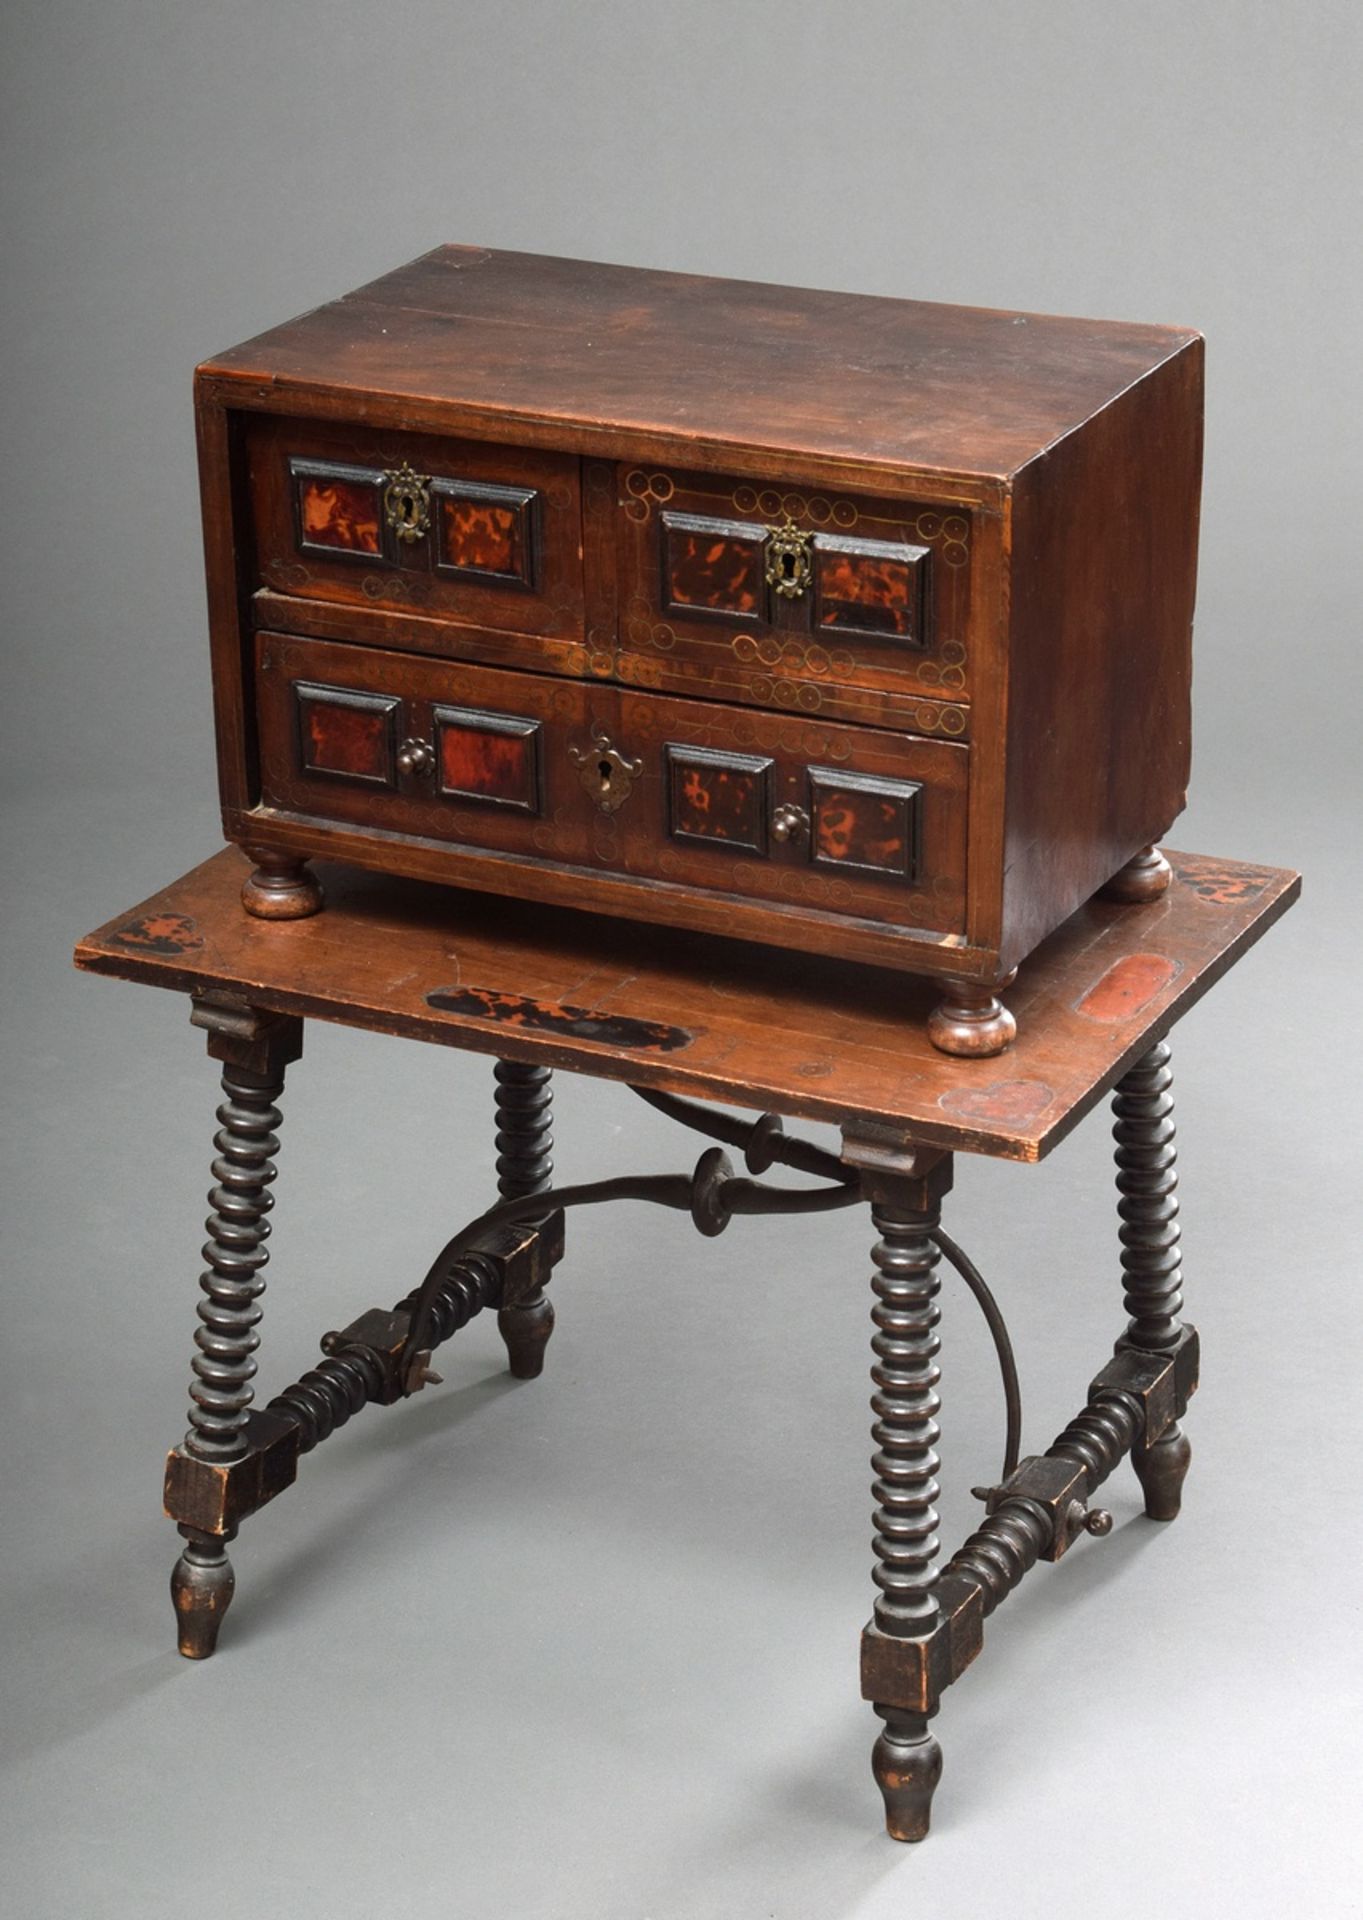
[(907, 1763), (1144, 878), (281, 888), (971, 1021), (526, 1330), (1161, 1470), (201, 1586)]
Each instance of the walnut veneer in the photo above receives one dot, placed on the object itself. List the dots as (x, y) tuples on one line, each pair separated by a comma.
[(841, 624)]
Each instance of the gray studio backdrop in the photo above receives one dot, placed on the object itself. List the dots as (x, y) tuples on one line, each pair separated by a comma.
[(588, 1647)]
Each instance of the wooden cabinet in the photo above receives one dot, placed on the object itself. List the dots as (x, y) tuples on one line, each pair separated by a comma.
[(833, 623)]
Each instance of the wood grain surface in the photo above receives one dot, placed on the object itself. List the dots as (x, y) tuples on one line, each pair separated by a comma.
[(716, 1019), (603, 359)]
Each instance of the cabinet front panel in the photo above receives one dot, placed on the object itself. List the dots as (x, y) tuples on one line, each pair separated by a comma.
[(473, 534), (762, 806), (783, 595)]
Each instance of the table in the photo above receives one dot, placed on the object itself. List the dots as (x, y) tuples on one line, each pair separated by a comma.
[(689, 1020)]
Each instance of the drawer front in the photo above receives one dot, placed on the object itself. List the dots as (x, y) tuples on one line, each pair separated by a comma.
[(764, 806), (785, 594), (793, 810), (431, 748), (477, 535)]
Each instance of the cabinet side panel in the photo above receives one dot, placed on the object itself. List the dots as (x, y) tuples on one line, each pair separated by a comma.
[(224, 514), (1104, 571)]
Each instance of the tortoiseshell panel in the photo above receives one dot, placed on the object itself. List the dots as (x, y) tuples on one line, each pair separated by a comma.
[(485, 531), (873, 587), (864, 821), (338, 509), (345, 735), (488, 756), (718, 797), (713, 566)]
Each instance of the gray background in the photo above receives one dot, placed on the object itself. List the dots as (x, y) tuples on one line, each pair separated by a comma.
[(588, 1647)]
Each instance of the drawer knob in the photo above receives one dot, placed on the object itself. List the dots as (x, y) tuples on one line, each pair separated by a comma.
[(789, 568), (789, 823), (407, 502), (416, 756)]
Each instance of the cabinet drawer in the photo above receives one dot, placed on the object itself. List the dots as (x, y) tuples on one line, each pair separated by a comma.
[(475, 534), (431, 748), (698, 794), (787, 809), (783, 593)]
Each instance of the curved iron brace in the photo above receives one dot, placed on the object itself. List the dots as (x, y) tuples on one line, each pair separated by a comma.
[(765, 1140), (1003, 1346), (762, 1141), (712, 1195)]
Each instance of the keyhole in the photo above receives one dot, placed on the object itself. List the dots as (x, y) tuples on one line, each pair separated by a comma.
[(408, 507), (788, 566), (604, 768)]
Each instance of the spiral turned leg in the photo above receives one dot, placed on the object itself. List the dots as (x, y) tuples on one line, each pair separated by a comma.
[(906, 1760), (255, 1049), (1147, 1181), (525, 1141)]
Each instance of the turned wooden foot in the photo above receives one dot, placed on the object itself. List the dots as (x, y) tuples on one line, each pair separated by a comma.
[(526, 1330), (281, 887), (971, 1021), (201, 1586), (1161, 1470), (1143, 878), (907, 1763)]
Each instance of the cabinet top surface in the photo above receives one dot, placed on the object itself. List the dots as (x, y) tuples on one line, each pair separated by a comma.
[(610, 359), (805, 1037)]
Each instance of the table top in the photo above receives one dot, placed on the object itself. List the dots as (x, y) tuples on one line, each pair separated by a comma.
[(803, 1036), (597, 358)]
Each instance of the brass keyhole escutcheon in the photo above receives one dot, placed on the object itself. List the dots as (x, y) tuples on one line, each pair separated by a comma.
[(607, 774), (789, 565), (407, 503)]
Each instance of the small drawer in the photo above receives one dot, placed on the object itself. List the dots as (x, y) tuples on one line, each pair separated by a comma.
[(783, 809), (580, 774), (430, 748), (477, 535), (786, 594)]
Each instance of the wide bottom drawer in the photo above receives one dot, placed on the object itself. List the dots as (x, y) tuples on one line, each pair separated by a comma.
[(692, 792)]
